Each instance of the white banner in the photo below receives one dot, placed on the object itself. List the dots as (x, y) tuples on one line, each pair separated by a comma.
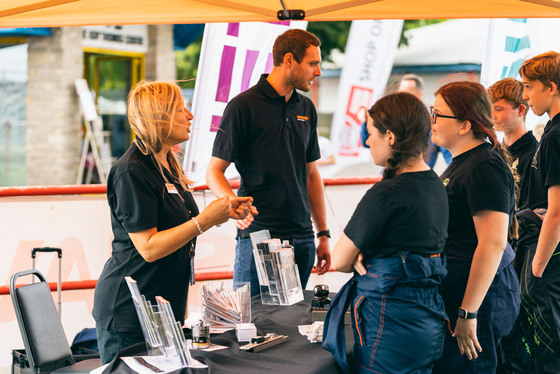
[(370, 52), (510, 42), (232, 59)]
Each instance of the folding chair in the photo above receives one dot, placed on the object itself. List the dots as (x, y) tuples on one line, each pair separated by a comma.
[(43, 336)]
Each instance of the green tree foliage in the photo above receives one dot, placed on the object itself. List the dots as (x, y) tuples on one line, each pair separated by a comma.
[(186, 64), (333, 35)]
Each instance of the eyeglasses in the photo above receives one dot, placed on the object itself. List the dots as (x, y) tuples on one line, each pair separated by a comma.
[(434, 116)]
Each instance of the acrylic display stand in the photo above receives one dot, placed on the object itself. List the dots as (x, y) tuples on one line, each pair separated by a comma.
[(164, 335), (277, 271)]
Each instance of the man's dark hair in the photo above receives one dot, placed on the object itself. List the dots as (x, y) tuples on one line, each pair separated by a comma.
[(294, 41)]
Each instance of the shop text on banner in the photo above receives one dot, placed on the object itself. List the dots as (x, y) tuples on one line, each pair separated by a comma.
[(232, 59), (370, 52)]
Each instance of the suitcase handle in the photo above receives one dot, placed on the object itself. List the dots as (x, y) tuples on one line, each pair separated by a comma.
[(58, 288), (46, 249)]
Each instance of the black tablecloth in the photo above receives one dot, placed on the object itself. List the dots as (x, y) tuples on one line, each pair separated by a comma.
[(295, 356)]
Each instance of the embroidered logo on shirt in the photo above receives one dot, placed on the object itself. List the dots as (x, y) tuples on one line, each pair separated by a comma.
[(445, 182), (171, 188), (302, 118)]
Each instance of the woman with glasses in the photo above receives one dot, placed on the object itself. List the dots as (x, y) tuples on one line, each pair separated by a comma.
[(154, 218), (481, 290), (393, 244)]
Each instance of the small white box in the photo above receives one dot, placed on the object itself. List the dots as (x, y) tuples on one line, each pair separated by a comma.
[(245, 331)]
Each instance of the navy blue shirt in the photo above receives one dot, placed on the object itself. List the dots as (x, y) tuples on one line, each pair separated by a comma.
[(407, 212), (139, 200), (271, 141)]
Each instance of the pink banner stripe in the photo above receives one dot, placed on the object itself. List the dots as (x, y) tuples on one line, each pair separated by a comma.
[(233, 29), (215, 124), (226, 69), (250, 61), (269, 64)]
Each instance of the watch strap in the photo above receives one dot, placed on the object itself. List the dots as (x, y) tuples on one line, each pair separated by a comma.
[(326, 233), (465, 314)]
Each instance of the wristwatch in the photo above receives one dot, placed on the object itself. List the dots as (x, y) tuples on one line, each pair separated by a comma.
[(326, 233), (465, 314)]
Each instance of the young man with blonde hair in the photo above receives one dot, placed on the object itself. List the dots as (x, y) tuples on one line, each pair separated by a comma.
[(540, 278)]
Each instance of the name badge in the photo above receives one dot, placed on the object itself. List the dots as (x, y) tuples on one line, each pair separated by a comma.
[(171, 188)]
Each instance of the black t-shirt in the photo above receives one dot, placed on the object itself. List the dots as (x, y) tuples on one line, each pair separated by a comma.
[(139, 199), (271, 142), (522, 153), (476, 180), (545, 167), (407, 212)]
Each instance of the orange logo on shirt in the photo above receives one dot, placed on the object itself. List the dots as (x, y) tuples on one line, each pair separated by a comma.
[(302, 118)]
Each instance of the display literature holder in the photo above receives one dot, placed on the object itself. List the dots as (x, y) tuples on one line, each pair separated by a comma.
[(164, 336), (276, 269)]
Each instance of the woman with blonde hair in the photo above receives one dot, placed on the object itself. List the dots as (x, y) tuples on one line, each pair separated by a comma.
[(481, 290), (154, 218)]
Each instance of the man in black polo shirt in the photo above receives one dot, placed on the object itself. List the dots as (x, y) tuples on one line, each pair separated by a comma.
[(270, 133), (509, 110)]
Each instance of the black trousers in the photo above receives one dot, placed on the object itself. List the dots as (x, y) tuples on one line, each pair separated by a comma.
[(540, 302), (533, 346)]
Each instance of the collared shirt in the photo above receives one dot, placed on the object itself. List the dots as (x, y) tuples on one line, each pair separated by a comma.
[(271, 141)]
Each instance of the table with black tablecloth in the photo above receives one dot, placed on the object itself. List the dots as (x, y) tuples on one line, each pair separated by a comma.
[(295, 356)]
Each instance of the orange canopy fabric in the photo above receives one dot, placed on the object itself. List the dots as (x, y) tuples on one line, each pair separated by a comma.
[(54, 13)]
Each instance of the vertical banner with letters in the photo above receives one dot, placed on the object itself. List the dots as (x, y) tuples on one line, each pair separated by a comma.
[(232, 59), (510, 42), (370, 52)]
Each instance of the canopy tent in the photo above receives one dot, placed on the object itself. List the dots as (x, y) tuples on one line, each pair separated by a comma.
[(55, 13)]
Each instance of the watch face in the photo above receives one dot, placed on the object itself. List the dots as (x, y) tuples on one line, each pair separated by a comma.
[(464, 314)]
